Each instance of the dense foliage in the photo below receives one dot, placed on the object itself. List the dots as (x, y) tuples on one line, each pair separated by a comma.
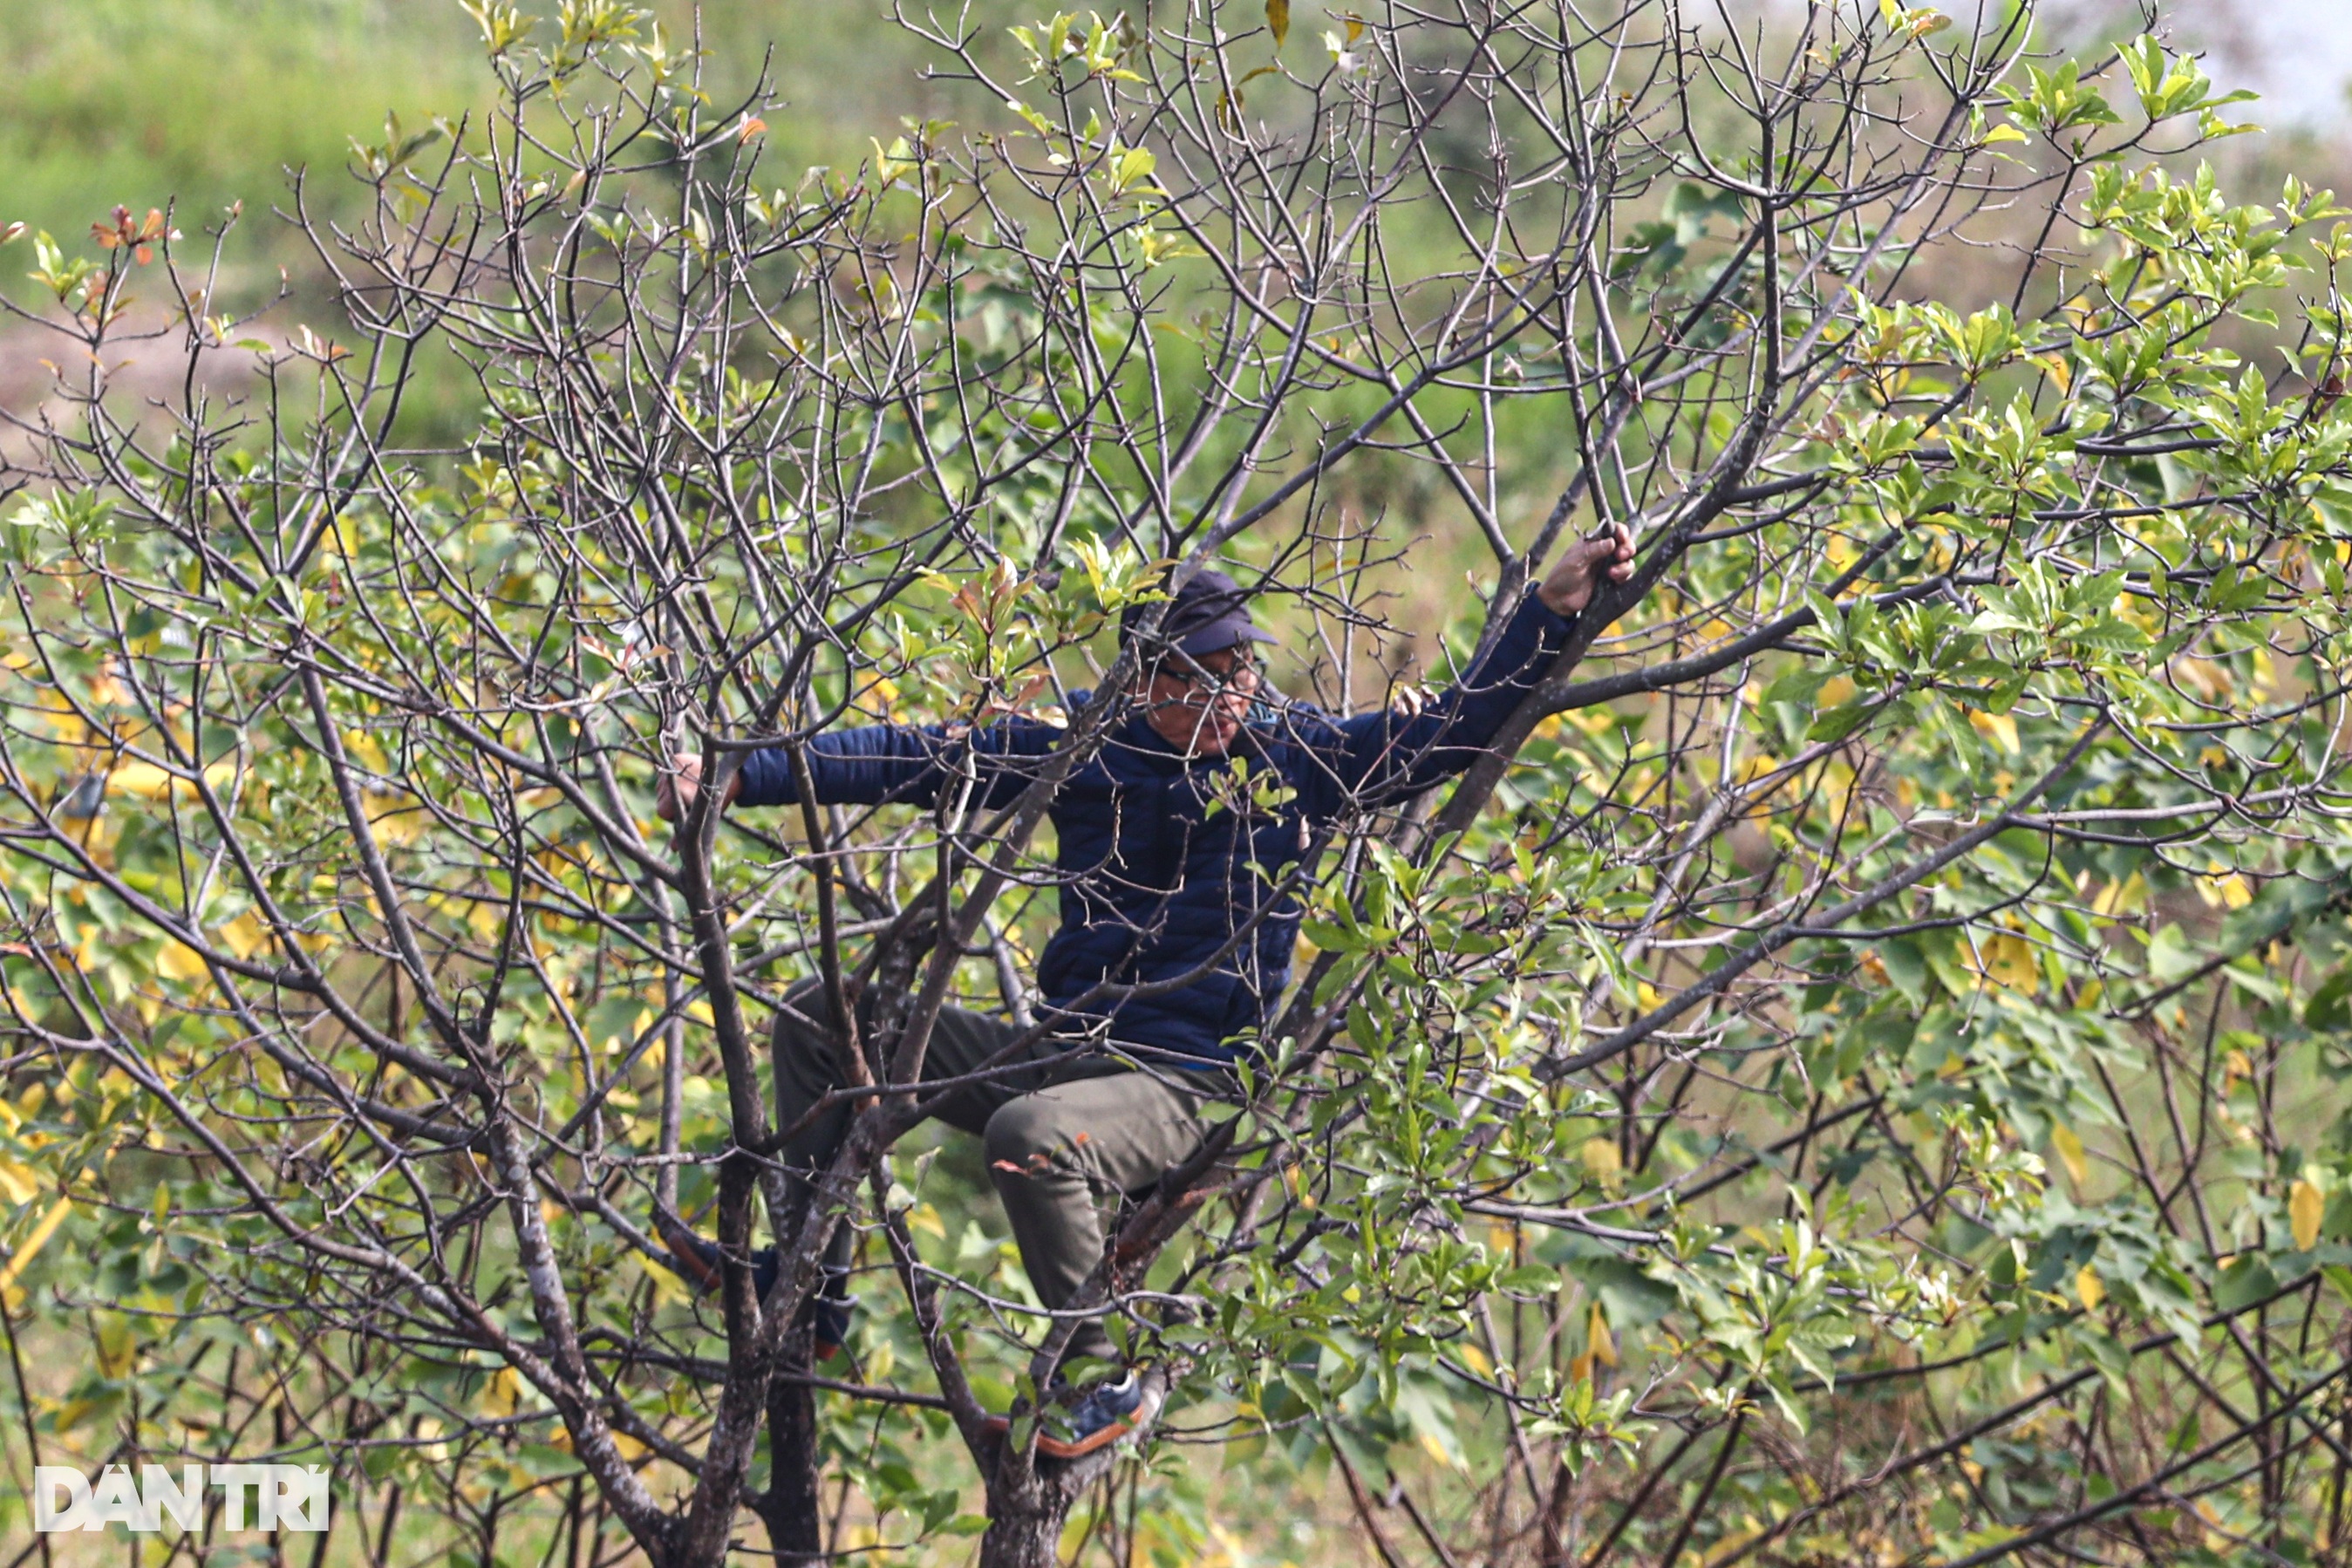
[(1854, 1086)]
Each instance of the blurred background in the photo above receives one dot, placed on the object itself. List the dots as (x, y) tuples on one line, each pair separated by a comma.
[(137, 102), (2296, 53), (203, 102), (196, 104)]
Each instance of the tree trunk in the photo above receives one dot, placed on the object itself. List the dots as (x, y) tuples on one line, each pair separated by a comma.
[(1029, 1503), (1025, 1522), (791, 1509)]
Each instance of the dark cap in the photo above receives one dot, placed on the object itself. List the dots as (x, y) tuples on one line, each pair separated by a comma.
[(1208, 612)]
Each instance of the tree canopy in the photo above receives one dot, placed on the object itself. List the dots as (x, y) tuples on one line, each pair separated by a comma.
[(1848, 1078)]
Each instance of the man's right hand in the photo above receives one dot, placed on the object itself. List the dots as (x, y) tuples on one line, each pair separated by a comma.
[(1583, 566), (675, 791)]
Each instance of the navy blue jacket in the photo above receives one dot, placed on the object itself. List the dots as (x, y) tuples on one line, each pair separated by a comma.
[(1162, 860)]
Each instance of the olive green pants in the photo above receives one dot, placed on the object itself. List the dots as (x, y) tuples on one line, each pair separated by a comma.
[(1066, 1133)]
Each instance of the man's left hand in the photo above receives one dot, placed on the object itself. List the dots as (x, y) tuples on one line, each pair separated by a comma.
[(1569, 586)]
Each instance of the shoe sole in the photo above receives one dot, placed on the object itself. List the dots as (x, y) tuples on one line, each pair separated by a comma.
[(1054, 1447), (702, 1279), (1077, 1449), (699, 1275)]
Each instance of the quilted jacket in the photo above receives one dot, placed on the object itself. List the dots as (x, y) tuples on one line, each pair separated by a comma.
[(1165, 861)]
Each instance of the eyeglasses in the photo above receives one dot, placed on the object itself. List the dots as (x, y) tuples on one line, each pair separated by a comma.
[(1246, 674)]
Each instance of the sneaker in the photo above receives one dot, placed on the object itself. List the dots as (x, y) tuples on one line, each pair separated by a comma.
[(1100, 1416), (1103, 1415), (700, 1264), (830, 1315)]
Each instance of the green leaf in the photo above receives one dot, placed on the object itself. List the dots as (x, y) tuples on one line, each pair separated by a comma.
[(1907, 966), (1277, 18), (2170, 956), (1838, 722), (1692, 207), (2110, 1355), (1630, 1297), (2247, 1280), (1529, 1281), (2327, 1007), (2283, 901)]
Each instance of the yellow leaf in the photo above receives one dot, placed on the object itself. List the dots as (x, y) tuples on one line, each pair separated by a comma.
[(2000, 133), (2304, 1205), (35, 1242), (1475, 1359), (21, 1182), (2008, 960), (118, 1345), (364, 746), (1603, 1348), (1601, 1160), (2069, 1150), (2090, 1287), (502, 1393), (669, 1289), (144, 780), (177, 962), (2120, 897), (2213, 679), (1998, 728), (2236, 1066), (1277, 17), (244, 935)]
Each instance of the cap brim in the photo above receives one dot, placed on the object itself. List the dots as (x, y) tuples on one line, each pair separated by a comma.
[(1226, 632)]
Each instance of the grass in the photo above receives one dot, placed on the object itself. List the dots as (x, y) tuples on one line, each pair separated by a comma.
[(192, 105), (210, 101), (204, 101)]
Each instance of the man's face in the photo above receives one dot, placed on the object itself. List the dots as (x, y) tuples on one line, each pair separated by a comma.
[(1198, 702)]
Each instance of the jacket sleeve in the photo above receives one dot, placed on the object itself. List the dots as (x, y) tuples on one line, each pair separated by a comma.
[(901, 762), (1388, 754)]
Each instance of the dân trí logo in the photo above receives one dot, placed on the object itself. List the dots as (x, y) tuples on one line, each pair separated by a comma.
[(280, 1496)]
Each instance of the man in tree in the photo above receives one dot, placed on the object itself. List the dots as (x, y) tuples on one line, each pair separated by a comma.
[(1176, 841)]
